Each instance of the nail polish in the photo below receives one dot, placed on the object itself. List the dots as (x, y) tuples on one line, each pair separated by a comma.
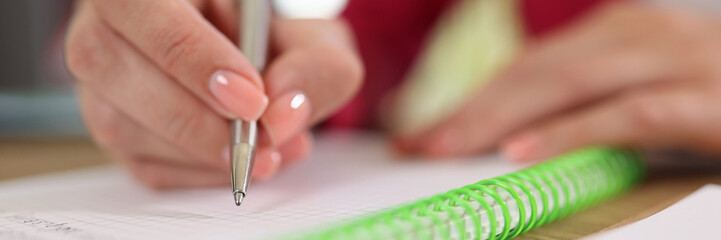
[(239, 95), (286, 116)]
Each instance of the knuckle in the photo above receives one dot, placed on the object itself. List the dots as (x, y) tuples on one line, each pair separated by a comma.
[(83, 53), (348, 68), (173, 44)]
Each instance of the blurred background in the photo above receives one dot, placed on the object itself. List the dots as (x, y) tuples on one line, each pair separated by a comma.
[(40, 128), (36, 92)]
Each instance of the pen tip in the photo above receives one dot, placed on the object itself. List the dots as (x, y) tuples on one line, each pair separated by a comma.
[(238, 197)]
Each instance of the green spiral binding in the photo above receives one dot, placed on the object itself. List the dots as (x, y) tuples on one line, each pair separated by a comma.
[(487, 209)]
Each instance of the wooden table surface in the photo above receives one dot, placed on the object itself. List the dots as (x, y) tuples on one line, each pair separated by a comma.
[(662, 188)]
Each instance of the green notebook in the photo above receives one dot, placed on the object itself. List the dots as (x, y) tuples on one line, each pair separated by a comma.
[(506, 206)]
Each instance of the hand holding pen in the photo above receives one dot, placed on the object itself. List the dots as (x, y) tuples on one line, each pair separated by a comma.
[(160, 80)]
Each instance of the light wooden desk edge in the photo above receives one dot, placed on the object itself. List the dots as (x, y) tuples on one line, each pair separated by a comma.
[(26, 158)]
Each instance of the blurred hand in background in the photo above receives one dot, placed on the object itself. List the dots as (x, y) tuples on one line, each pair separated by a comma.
[(629, 74), (158, 81)]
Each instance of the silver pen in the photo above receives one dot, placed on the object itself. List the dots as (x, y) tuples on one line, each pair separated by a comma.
[(255, 24)]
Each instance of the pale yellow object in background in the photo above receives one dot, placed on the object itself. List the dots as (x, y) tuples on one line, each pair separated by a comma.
[(469, 46)]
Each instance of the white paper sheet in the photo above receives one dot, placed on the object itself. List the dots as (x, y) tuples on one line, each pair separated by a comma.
[(348, 175), (697, 216)]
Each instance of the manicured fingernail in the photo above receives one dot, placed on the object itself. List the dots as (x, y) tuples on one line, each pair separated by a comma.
[(286, 116), (239, 95), (446, 143), (522, 149), (267, 164)]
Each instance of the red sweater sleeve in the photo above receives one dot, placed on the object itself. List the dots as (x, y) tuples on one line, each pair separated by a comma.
[(390, 34)]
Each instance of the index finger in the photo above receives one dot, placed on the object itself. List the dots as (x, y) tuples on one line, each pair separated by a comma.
[(180, 41)]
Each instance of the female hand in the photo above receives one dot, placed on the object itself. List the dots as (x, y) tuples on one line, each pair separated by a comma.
[(158, 81), (630, 74)]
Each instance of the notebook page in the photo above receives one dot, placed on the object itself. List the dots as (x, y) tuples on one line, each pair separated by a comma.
[(695, 217), (348, 175)]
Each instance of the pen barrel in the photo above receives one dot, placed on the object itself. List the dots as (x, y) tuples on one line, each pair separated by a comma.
[(243, 142), (255, 24), (244, 132), (255, 19)]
